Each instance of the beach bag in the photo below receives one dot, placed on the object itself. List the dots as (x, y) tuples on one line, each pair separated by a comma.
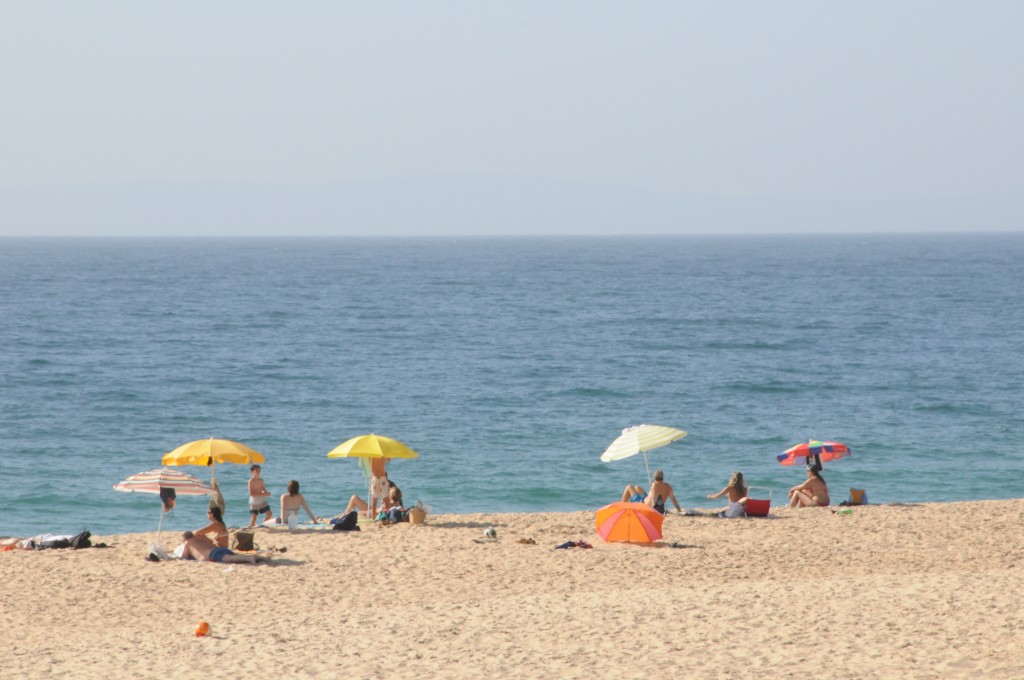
[(81, 540), (418, 514), (243, 541), (858, 497), (347, 523)]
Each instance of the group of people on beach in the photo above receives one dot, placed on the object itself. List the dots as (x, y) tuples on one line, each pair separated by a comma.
[(811, 493), (210, 543)]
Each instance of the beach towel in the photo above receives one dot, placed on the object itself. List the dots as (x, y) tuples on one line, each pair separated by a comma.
[(734, 510)]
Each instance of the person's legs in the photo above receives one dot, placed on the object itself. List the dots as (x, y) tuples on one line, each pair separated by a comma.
[(270, 515), (631, 492), (802, 499), (253, 514), (355, 503)]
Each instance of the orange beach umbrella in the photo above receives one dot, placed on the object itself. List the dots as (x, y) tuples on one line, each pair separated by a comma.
[(629, 522)]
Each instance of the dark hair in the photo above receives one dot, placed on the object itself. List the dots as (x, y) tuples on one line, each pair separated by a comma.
[(397, 494), (215, 511), (293, 488), (188, 535), (254, 466)]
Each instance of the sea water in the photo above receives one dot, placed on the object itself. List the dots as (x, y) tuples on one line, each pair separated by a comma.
[(508, 364)]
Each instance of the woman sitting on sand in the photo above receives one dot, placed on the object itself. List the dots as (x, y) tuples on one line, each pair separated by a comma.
[(292, 502), (813, 493), (215, 530), (736, 490)]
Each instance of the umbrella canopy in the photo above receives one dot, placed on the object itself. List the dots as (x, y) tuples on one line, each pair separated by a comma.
[(629, 522), (159, 482), (183, 483), (372, 446), (822, 452), (641, 439), (211, 451)]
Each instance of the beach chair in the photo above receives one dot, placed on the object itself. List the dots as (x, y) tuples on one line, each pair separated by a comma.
[(857, 497), (757, 507)]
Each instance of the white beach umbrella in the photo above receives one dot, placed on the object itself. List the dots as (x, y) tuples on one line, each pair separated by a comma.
[(641, 439)]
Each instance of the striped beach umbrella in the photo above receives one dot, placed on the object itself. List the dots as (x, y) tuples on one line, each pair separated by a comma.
[(822, 452), (629, 523), (641, 439), (168, 484)]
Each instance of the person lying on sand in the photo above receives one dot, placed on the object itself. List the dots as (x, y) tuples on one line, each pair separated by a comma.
[(660, 492), (813, 493), (201, 548)]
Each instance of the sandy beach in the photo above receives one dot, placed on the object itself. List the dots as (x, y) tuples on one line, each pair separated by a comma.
[(915, 591)]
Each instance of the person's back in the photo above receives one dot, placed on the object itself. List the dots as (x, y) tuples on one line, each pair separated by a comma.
[(661, 492)]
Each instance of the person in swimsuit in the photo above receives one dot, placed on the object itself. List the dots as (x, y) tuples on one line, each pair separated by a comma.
[(292, 502), (216, 527), (258, 496), (656, 497), (379, 487), (201, 548), (392, 500), (736, 490), (813, 493)]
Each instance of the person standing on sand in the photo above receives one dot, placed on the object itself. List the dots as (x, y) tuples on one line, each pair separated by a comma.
[(379, 488), (202, 548), (258, 497)]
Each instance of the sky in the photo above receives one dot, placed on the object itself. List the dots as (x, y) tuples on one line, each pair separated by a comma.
[(509, 118)]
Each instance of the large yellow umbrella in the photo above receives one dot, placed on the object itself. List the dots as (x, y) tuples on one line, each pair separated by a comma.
[(212, 451), (372, 446)]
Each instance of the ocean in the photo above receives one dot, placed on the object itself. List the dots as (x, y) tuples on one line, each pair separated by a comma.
[(508, 364)]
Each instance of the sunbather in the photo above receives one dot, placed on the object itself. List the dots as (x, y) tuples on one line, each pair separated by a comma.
[(660, 492), (736, 490), (812, 493), (202, 548), (292, 502), (392, 500), (216, 530)]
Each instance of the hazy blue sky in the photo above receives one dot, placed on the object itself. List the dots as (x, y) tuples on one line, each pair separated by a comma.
[(522, 118)]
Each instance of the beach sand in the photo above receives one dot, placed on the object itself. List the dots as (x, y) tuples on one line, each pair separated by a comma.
[(915, 591)]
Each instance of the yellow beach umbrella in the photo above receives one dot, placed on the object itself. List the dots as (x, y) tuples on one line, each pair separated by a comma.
[(372, 446), (212, 451)]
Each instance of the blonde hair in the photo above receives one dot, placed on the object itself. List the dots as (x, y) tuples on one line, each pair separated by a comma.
[(736, 482)]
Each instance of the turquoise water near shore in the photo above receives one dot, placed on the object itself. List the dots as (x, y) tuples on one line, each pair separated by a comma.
[(508, 364)]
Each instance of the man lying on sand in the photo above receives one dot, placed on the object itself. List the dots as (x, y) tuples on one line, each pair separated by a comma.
[(202, 548)]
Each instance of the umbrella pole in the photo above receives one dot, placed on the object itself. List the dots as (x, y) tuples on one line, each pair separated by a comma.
[(648, 468), (160, 525)]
